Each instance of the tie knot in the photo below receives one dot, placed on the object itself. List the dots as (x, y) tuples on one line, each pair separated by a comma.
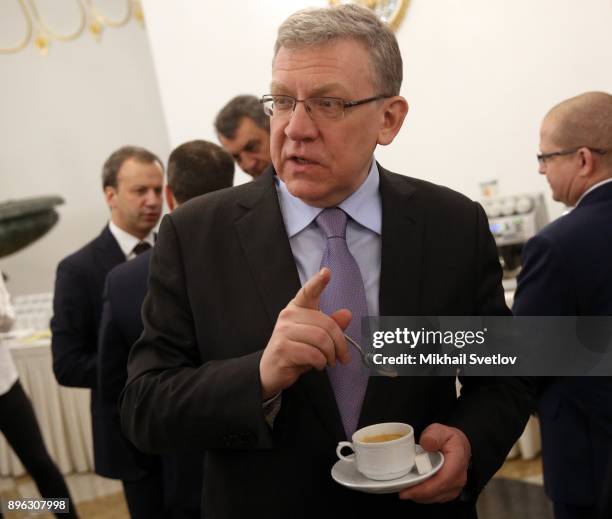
[(140, 247), (333, 222)]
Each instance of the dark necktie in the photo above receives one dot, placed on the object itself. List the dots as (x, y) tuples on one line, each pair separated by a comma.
[(141, 247), (345, 290)]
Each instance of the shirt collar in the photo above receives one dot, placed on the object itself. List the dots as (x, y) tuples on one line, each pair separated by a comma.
[(127, 241), (592, 188), (364, 205)]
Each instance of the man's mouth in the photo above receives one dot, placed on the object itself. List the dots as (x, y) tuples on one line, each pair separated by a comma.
[(302, 160)]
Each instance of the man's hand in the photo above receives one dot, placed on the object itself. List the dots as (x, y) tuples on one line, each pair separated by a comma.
[(303, 338), (447, 484)]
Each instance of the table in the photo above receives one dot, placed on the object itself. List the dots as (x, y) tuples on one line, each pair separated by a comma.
[(63, 413)]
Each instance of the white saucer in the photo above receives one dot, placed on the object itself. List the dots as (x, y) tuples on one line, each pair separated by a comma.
[(346, 473)]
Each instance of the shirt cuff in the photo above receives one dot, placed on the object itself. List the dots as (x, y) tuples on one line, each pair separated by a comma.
[(271, 407)]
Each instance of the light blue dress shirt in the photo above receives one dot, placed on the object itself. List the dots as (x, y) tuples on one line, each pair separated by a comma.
[(363, 233)]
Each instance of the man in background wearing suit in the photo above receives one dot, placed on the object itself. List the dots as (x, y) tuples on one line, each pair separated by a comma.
[(236, 357), (244, 132), (194, 168), (567, 270), (132, 179)]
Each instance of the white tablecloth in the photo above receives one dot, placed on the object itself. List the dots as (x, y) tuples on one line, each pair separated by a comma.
[(529, 444), (63, 413)]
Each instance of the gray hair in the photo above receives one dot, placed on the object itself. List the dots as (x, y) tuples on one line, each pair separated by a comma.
[(318, 26), (228, 119)]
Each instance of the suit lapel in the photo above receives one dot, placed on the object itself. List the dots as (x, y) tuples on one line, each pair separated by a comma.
[(273, 268), (108, 252), (402, 247), (263, 238), (401, 257)]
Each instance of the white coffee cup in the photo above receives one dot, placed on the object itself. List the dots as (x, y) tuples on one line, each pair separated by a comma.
[(381, 460)]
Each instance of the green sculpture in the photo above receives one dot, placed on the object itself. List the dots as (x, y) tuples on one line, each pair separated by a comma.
[(24, 221)]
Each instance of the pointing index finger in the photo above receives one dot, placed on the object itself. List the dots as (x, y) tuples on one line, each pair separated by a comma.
[(308, 296)]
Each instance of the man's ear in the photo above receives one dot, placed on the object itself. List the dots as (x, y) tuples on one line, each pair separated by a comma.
[(109, 194), (170, 200), (587, 162), (393, 116)]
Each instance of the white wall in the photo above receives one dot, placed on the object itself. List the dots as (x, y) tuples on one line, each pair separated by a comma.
[(207, 52), (60, 117), (479, 76)]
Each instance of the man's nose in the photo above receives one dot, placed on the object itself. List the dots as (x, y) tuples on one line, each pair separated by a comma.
[(247, 161), (153, 198), (300, 126)]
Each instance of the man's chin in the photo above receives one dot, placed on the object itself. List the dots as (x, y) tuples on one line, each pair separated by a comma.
[(148, 224), (258, 171), (311, 193)]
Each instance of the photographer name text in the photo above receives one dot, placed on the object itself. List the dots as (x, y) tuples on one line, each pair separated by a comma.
[(443, 359)]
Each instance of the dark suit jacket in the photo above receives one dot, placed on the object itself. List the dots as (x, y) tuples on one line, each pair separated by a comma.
[(77, 308), (120, 328), (121, 323), (567, 270), (221, 273)]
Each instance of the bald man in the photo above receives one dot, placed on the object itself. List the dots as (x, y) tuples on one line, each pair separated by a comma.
[(567, 270)]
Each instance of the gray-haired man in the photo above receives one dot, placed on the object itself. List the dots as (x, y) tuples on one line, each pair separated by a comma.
[(237, 357)]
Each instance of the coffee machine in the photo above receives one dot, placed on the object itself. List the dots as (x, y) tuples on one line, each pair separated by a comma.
[(513, 220)]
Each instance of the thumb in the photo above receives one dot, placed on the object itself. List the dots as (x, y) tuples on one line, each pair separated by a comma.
[(308, 296), (342, 317), (433, 437)]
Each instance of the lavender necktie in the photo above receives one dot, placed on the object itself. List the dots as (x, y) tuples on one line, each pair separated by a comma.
[(345, 290)]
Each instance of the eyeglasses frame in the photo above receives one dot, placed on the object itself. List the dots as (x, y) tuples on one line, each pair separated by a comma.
[(543, 157), (345, 104)]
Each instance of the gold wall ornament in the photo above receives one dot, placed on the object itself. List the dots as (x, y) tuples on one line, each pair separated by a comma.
[(105, 20), (28, 33), (138, 12), (89, 17), (45, 33), (390, 11), (97, 21)]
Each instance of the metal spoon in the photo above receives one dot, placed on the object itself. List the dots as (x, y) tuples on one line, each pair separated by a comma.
[(368, 360)]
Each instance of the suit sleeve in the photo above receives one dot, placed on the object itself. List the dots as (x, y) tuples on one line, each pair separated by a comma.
[(544, 282), (491, 411), (173, 399), (112, 349), (73, 329)]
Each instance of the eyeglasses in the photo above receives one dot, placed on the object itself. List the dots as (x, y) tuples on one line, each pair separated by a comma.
[(543, 157), (319, 108)]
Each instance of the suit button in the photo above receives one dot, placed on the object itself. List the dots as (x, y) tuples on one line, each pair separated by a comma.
[(242, 439), (230, 439)]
